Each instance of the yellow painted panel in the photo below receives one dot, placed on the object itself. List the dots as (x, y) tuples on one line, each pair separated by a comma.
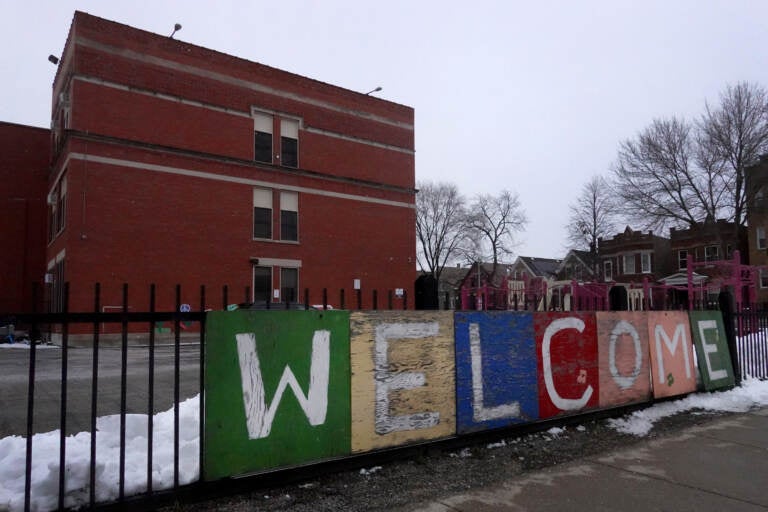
[(403, 377)]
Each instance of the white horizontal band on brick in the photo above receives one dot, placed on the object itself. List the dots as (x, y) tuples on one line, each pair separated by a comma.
[(62, 254), (231, 80), (231, 179), (255, 111)]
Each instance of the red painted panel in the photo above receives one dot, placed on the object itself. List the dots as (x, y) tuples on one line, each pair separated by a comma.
[(566, 350), (622, 340), (672, 360)]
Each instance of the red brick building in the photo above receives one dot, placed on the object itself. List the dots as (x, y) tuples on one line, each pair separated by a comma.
[(174, 163), (23, 181)]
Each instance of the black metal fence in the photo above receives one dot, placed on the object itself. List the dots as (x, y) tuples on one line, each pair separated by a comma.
[(752, 349)]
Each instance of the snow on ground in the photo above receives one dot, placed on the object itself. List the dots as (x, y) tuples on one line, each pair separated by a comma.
[(752, 393), (45, 460), (23, 345)]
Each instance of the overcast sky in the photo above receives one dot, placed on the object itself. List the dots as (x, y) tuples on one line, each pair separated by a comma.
[(530, 96)]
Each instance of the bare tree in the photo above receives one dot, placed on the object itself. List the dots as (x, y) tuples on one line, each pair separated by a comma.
[(675, 173), (493, 221), (592, 215), (662, 178), (440, 225), (735, 134)]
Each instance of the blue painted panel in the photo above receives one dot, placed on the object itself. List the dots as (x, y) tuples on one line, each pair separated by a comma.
[(501, 387)]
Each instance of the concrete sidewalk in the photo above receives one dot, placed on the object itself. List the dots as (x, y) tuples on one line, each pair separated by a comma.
[(722, 466)]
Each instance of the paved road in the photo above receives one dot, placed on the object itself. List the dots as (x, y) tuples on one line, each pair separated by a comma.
[(14, 378), (719, 466)]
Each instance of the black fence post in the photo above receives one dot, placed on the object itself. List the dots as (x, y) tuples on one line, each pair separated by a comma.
[(224, 296), (151, 387), (389, 299), (201, 403), (325, 298), (726, 307), (359, 298), (63, 415), (123, 391), (341, 298), (375, 300), (306, 298), (176, 385), (94, 393), (405, 299)]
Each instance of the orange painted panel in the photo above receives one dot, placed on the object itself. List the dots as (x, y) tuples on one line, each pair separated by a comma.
[(672, 370), (622, 354)]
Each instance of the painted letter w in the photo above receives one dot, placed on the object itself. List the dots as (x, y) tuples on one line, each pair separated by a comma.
[(258, 413)]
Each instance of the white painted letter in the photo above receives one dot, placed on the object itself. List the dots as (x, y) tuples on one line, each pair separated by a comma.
[(259, 415), (710, 348), (561, 403), (672, 347), (479, 411), (624, 327), (386, 381)]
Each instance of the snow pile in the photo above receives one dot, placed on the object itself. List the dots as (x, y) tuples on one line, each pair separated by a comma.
[(45, 460), (752, 393)]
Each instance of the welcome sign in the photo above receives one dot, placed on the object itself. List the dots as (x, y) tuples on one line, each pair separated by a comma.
[(290, 387)]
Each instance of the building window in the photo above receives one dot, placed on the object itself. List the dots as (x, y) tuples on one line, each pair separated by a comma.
[(711, 253), (262, 284), (289, 216), (760, 238), (682, 259), (289, 284), (57, 209), (262, 213), (645, 262), (608, 270), (262, 129), (289, 142), (763, 279), (629, 263)]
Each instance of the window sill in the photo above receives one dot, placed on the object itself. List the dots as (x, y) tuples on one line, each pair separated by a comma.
[(273, 241)]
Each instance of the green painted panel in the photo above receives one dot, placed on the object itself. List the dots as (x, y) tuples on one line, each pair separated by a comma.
[(277, 389), (712, 352)]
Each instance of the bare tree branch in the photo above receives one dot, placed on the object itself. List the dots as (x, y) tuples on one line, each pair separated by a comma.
[(592, 216)]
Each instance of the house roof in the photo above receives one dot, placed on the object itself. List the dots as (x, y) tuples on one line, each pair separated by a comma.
[(681, 278), (540, 267), (586, 258)]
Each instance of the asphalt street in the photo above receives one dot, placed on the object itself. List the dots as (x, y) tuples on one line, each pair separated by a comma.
[(14, 384)]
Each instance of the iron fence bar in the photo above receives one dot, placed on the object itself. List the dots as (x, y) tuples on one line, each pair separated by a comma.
[(63, 410), (341, 298), (306, 298), (359, 298), (89, 317), (123, 391), (151, 388), (389, 299), (375, 300), (405, 299), (201, 402), (224, 297), (30, 421), (94, 395), (325, 298), (176, 379)]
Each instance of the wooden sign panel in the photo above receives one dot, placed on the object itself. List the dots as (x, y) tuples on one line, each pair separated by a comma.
[(496, 382), (403, 383), (672, 371), (566, 348), (712, 351), (276, 389), (622, 346)]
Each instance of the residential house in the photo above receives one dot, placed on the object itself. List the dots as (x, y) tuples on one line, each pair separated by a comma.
[(757, 220)]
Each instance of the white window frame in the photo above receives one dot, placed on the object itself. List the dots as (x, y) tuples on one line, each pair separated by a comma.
[(645, 256), (682, 262), (706, 253), (628, 258), (608, 270), (760, 237), (762, 283), (261, 197)]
